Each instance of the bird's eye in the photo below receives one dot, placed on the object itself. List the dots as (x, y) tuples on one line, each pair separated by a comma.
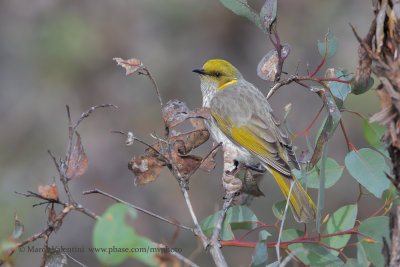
[(217, 74)]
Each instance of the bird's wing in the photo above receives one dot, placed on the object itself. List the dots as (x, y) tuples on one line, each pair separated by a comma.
[(244, 115)]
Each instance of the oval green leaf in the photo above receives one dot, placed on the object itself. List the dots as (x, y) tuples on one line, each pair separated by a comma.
[(373, 133), (369, 168), (333, 172), (332, 44), (378, 229), (341, 220)]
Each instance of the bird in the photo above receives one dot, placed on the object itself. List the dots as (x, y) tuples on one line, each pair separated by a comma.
[(242, 118)]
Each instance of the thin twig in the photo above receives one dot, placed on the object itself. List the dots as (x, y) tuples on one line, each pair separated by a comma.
[(277, 248), (46, 248), (217, 229), (97, 191), (75, 260), (89, 111), (148, 74), (194, 218), (144, 143), (63, 179)]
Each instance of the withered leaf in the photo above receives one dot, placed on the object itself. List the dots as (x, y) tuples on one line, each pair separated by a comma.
[(175, 112), (52, 214), (48, 191), (195, 139), (380, 24), (131, 65), (18, 227), (78, 162), (186, 164), (268, 65), (208, 163), (146, 169)]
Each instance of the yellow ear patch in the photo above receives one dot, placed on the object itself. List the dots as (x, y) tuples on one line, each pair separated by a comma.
[(228, 83)]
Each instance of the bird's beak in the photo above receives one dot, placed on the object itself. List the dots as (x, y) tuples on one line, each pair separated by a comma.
[(200, 71)]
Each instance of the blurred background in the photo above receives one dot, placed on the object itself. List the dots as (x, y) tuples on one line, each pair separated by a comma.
[(57, 52)]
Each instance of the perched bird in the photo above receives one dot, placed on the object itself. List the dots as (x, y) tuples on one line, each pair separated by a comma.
[(242, 117)]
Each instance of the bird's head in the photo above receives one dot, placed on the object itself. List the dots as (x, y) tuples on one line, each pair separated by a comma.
[(218, 73)]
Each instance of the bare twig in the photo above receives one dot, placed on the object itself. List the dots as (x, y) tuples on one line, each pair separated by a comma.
[(97, 191), (89, 111), (144, 143), (148, 74), (63, 179), (217, 229), (46, 248), (277, 247)]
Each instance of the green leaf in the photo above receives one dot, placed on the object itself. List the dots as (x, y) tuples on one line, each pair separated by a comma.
[(341, 220), (242, 8), (333, 172), (352, 263), (339, 90), (358, 87), (309, 253), (263, 235), (279, 208), (369, 168), (268, 14), (361, 255), (274, 264), (237, 217), (148, 257), (332, 43), (373, 133), (378, 229), (260, 256), (117, 238)]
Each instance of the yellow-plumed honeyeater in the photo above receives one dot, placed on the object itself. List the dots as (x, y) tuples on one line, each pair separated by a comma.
[(243, 118)]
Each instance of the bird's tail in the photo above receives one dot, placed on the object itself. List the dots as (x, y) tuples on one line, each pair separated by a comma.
[(302, 206)]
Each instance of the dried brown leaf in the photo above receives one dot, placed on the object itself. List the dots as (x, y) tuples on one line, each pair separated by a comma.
[(195, 139), (131, 65), (52, 214), (186, 164), (380, 25), (175, 112), (78, 162), (268, 65), (208, 163), (48, 191), (146, 169)]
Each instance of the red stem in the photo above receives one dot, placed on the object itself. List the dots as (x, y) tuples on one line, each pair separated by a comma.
[(323, 60), (309, 126), (334, 80)]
